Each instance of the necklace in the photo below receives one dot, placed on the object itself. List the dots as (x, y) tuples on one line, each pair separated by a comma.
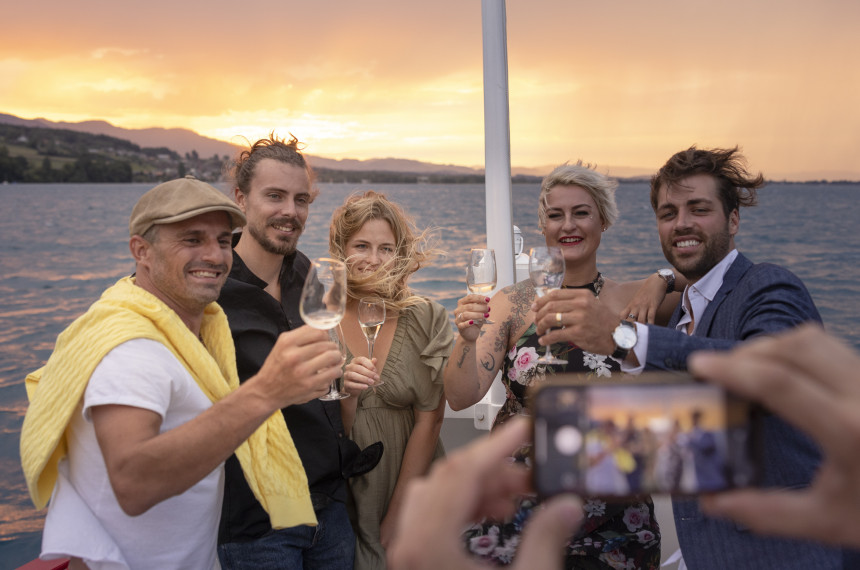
[(595, 286)]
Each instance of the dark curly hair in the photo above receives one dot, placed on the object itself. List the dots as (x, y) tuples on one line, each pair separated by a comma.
[(736, 187)]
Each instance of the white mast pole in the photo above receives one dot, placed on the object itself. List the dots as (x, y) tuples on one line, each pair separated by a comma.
[(497, 140), (497, 171)]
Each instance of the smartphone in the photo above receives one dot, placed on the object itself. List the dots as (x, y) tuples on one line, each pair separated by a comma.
[(659, 432)]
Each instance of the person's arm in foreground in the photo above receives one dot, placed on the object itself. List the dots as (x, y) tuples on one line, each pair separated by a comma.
[(477, 481), (813, 381), (146, 467)]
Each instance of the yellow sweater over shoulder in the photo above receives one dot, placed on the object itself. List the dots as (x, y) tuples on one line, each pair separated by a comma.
[(124, 312)]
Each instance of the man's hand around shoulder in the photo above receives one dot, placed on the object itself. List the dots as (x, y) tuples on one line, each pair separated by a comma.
[(300, 367)]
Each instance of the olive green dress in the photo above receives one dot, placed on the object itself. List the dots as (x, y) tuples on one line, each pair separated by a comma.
[(412, 378)]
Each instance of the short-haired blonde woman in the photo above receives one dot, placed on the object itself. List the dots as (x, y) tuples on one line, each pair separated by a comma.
[(577, 204), (382, 249)]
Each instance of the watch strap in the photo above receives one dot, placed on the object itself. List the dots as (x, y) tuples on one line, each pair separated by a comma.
[(668, 276), (620, 353)]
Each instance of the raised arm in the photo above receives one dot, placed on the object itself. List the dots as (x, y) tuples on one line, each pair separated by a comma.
[(479, 350), (767, 301), (359, 374), (647, 299), (146, 467)]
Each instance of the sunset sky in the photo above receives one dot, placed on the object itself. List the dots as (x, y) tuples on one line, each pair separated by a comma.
[(617, 83)]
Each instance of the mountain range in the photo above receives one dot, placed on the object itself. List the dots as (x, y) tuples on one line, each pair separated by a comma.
[(185, 141)]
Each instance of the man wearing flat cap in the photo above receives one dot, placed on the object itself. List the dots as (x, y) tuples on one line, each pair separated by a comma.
[(131, 419)]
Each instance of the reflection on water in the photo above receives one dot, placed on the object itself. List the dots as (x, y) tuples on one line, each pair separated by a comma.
[(63, 245)]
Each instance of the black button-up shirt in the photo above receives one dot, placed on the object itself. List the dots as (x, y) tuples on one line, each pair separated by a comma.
[(256, 319)]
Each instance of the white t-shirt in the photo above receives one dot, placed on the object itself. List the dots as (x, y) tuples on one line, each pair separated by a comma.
[(84, 519)]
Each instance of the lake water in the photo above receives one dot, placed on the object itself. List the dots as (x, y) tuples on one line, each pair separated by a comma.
[(62, 245)]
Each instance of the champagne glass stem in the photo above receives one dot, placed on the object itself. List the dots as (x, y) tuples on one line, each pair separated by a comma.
[(548, 357), (336, 391)]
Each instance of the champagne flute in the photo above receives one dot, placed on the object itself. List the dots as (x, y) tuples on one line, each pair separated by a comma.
[(546, 270), (371, 316), (323, 304), (481, 273), (336, 391)]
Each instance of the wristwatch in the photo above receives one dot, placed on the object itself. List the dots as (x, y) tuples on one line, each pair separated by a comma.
[(625, 338), (669, 277)]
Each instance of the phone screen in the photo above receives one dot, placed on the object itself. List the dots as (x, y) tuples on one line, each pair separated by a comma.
[(659, 434)]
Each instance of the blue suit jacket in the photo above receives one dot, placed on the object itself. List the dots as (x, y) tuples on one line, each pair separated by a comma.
[(753, 300)]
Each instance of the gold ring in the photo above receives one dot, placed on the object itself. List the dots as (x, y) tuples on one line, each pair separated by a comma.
[(558, 318)]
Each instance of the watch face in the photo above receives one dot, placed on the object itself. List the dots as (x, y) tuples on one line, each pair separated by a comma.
[(625, 337), (666, 273)]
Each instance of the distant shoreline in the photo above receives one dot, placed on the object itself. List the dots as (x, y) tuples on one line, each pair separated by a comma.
[(384, 177), (43, 152)]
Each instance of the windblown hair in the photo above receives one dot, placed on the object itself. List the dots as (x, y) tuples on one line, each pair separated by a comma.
[(736, 187), (286, 151), (601, 189), (412, 249)]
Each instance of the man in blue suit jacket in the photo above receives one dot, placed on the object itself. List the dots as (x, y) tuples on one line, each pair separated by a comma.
[(697, 197)]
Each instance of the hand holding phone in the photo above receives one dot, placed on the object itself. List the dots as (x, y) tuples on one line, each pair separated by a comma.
[(655, 433)]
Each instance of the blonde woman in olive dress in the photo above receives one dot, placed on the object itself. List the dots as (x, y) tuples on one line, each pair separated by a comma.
[(396, 398)]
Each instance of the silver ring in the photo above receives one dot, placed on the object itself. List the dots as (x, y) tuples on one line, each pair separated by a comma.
[(631, 317)]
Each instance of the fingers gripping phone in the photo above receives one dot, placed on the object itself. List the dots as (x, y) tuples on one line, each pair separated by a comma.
[(655, 433)]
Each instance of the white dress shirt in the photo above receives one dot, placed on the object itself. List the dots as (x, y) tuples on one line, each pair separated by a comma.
[(694, 302)]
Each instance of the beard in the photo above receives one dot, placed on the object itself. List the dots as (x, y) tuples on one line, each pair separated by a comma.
[(209, 294), (282, 245), (714, 248)]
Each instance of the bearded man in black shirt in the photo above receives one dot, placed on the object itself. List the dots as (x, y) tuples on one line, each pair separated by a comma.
[(273, 187)]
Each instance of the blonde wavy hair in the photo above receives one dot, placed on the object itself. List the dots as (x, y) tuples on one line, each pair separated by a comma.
[(413, 248)]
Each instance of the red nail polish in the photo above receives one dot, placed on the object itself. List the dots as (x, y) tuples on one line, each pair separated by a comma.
[(487, 299), (486, 315), (471, 322)]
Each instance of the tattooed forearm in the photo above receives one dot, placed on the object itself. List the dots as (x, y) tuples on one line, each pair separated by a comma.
[(521, 296), (489, 363), (466, 350), (500, 343)]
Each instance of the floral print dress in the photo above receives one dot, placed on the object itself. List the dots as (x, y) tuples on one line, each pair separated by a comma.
[(621, 536)]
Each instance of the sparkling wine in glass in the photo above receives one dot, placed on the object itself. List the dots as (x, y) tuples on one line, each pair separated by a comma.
[(546, 271), (481, 273), (371, 316), (323, 304)]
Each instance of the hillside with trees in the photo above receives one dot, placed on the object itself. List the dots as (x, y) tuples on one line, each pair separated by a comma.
[(33, 154), (44, 154)]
